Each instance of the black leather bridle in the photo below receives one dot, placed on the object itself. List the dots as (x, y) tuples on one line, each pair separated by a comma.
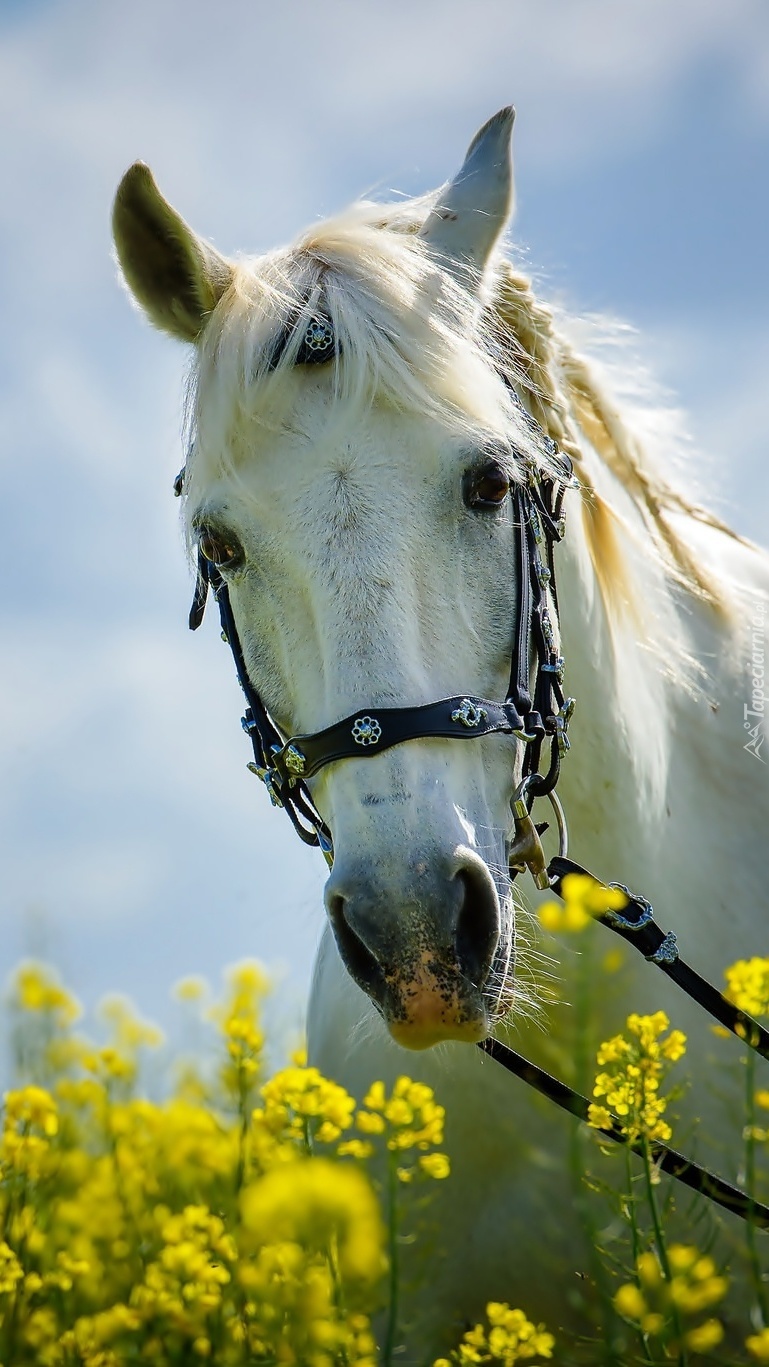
[(534, 715)]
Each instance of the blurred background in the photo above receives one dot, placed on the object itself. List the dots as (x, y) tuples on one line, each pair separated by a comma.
[(134, 846)]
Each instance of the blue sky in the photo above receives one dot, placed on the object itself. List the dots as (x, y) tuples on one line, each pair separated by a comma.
[(135, 847)]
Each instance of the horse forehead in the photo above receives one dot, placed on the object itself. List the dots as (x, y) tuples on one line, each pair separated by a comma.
[(346, 480)]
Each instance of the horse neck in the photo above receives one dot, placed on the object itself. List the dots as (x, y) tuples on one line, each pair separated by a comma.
[(658, 790)]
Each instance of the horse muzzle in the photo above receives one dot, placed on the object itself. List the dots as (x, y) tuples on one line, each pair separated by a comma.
[(420, 942)]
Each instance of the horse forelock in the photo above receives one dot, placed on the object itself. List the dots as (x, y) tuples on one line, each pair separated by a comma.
[(407, 336)]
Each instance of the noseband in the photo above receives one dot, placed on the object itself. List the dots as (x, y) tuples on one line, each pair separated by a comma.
[(532, 714)]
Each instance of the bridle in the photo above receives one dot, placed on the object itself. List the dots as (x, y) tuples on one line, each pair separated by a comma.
[(535, 713), (532, 715)]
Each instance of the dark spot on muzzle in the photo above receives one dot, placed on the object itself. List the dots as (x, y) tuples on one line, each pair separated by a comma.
[(423, 951)]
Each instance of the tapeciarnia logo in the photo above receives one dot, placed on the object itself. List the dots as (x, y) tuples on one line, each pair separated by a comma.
[(754, 711)]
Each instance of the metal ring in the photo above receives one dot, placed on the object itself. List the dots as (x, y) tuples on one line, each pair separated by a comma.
[(560, 819), (555, 802)]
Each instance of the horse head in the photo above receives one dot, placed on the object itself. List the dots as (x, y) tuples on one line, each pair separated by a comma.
[(356, 443)]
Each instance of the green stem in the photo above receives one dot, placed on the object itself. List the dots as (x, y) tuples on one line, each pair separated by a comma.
[(635, 1243), (661, 1247), (336, 1281), (242, 1166), (583, 1054), (393, 1251), (750, 1186)]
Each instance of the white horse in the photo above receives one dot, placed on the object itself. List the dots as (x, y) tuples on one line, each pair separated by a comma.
[(360, 513)]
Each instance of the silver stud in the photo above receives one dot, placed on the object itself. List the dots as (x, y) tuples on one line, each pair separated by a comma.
[(667, 952), (547, 631), (562, 725), (294, 760), (319, 335), (469, 714), (366, 731)]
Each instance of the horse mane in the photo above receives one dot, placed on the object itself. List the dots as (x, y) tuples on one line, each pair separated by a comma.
[(566, 395)]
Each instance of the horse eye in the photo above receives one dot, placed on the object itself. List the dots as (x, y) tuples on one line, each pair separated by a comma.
[(486, 488), (222, 551)]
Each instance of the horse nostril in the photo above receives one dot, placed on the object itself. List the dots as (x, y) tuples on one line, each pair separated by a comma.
[(357, 957), (477, 934)]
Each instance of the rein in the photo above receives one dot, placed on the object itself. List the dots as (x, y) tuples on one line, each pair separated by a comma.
[(534, 716)]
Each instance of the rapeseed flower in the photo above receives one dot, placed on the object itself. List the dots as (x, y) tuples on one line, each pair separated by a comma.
[(36, 990), (11, 1270), (655, 1302), (584, 898), (638, 1063), (239, 1021), (509, 1338), (301, 1104), (410, 1119), (758, 1345), (747, 986), (318, 1204), (190, 989)]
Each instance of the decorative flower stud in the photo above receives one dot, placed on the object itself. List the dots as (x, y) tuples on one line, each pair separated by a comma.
[(469, 714), (366, 731), (319, 335)]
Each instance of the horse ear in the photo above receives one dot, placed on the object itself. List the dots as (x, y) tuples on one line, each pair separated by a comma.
[(475, 206), (175, 276)]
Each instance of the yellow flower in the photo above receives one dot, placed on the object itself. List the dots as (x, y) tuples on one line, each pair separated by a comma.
[(11, 1270), (694, 1286), (584, 898), (300, 1102), (758, 1345), (191, 989), (435, 1165), (613, 960), (355, 1148), (314, 1203), (509, 1338), (747, 985), (375, 1097), (34, 988), (410, 1119), (370, 1122), (629, 1302), (704, 1336), (638, 1063), (31, 1107), (599, 1117)]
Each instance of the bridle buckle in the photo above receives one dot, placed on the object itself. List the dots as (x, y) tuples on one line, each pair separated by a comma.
[(526, 850), (562, 725), (269, 779)]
